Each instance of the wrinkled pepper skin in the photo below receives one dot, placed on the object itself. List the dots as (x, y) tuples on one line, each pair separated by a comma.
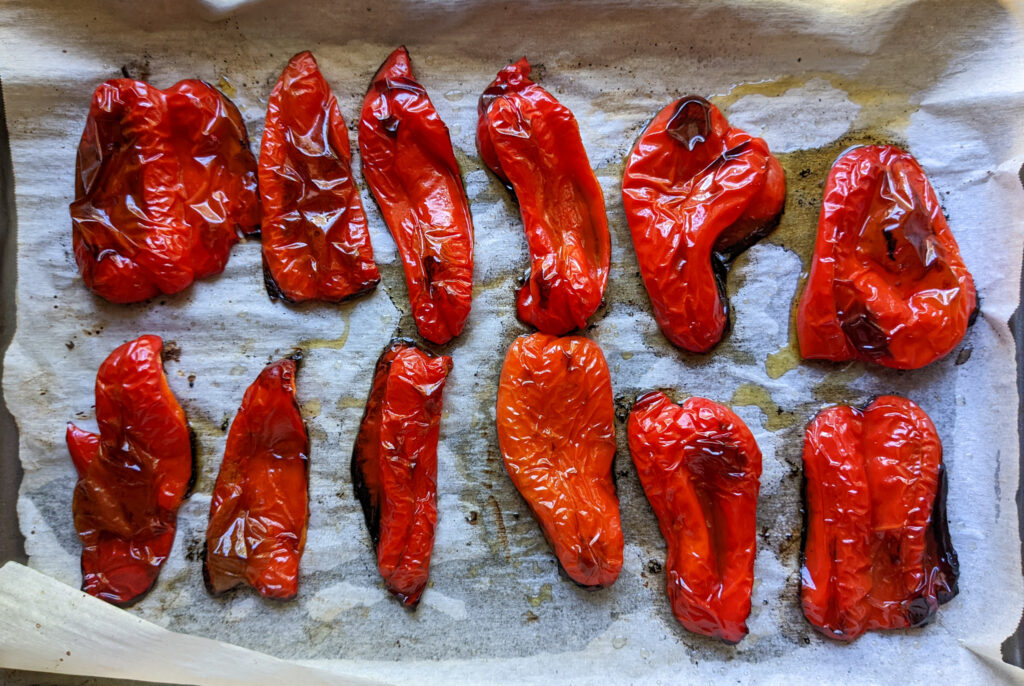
[(532, 143), (697, 192), (164, 183), (394, 464), (260, 504), (410, 167), (316, 244), (877, 552), (556, 431), (700, 468), (132, 476), (887, 283)]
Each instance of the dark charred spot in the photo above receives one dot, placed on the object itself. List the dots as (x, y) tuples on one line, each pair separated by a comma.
[(858, 323), (690, 124), (653, 567), (431, 267), (171, 352)]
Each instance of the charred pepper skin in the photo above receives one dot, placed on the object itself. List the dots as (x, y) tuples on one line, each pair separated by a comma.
[(394, 464), (700, 468), (316, 244), (877, 551), (410, 167), (556, 431), (260, 505), (132, 476), (697, 192), (887, 283), (532, 143), (164, 183)]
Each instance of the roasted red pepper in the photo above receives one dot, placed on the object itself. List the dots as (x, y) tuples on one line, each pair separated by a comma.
[(556, 430), (394, 464), (877, 552), (164, 181), (887, 284), (316, 245), (697, 192), (700, 468), (132, 476), (260, 504), (532, 143), (410, 166)]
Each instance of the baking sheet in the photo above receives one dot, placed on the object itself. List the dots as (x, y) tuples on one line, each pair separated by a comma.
[(941, 78)]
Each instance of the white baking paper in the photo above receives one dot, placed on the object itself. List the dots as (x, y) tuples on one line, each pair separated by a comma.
[(942, 79)]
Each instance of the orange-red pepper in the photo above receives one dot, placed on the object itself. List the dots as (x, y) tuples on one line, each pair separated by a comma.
[(697, 192), (556, 430), (164, 182), (700, 468), (316, 245), (394, 464), (877, 552), (132, 476), (410, 166), (260, 504), (887, 284), (532, 143)]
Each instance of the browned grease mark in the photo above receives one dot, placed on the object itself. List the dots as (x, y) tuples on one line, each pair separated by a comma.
[(502, 532)]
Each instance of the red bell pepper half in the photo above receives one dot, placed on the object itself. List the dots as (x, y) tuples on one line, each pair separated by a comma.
[(132, 476), (394, 464), (887, 284), (877, 552), (316, 245), (697, 192), (410, 166), (700, 468), (164, 182), (532, 143), (556, 430), (260, 504)]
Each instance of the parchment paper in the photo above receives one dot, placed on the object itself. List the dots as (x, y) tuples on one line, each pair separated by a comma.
[(942, 79)]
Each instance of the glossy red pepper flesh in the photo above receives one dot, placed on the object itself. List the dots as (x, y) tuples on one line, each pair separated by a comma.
[(316, 244), (532, 143), (877, 552), (260, 504), (887, 284), (394, 464), (697, 192), (410, 166), (132, 476), (700, 468), (556, 431), (164, 182)]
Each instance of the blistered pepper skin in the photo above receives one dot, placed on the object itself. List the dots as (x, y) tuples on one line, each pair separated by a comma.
[(164, 183), (316, 244), (410, 167), (394, 464), (132, 476), (700, 468), (697, 192), (532, 143), (877, 552), (260, 504), (556, 431), (887, 283)]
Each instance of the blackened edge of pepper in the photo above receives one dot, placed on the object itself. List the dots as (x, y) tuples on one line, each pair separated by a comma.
[(946, 558), (275, 292), (363, 492)]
